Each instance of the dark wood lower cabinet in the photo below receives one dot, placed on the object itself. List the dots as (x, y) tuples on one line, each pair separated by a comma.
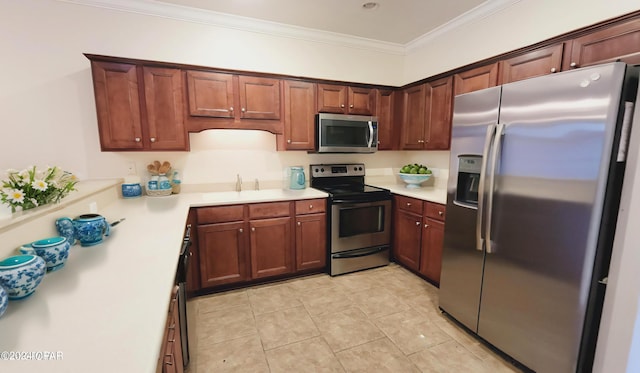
[(418, 237), (271, 247), (171, 359), (238, 244), (223, 253)]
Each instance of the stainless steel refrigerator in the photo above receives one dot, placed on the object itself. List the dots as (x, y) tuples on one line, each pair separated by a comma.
[(535, 176)]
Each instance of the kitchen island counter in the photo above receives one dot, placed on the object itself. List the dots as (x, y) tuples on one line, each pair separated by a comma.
[(105, 310)]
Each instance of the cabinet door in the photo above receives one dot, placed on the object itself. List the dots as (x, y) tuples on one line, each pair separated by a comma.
[(439, 111), (311, 241), (117, 105), (259, 98), (414, 120), (299, 115), (385, 103), (621, 41), (223, 253), (529, 65), (210, 94), (431, 257), (407, 236), (165, 109), (271, 247), (361, 100), (332, 98), (476, 79)]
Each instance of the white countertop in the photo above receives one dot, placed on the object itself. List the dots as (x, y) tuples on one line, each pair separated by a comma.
[(105, 311), (427, 193)]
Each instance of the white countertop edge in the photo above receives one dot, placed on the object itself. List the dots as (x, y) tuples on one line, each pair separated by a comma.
[(431, 194)]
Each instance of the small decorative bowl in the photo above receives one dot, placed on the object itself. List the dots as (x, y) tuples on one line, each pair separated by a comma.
[(414, 180), (132, 190), (20, 275), (54, 251), (4, 301)]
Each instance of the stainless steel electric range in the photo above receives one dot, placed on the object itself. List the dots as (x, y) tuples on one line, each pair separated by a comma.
[(360, 219)]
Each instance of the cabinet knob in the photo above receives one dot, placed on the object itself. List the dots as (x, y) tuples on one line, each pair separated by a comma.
[(288, 141), (310, 207), (137, 139), (240, 230), (243, 110), (342, 105), (440, 213), (408, 204), (153, 139), (417, 223), (253, 229), (553, 69), (573, 64), (351, 106), (426, 225), (299, 224), (231, 108), (379, 143)]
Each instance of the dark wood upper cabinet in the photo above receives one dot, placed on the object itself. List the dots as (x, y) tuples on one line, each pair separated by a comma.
[(476, 79), (385, 111), (118, 105), (413, 118), (139, 107), (341, 99), (617, 42), (299, 115), (210, 94), (165, 108), (529, 65), (439, 111), (259, 98)]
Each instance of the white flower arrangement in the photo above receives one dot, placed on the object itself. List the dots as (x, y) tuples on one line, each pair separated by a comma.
[(31, 188)]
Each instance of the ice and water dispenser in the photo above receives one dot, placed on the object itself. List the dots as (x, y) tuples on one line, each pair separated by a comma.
[(468, 179)]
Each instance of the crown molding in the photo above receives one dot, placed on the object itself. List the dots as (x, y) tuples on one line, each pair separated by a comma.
[(482, 11), (207, 17)]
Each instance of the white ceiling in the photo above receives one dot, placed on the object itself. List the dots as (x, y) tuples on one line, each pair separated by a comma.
[(393, 21)]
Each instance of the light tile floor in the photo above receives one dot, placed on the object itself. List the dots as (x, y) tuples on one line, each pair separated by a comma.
[(380, 320)]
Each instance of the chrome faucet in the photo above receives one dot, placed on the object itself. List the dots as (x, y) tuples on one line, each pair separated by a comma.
[(257, 185), (238, 183)]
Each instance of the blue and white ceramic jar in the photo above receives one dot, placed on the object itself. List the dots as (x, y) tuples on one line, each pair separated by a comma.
[(4, 301), (131, 187), (54, 251), (20, 275)]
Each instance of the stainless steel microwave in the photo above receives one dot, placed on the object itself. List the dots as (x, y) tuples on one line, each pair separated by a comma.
[(340, 133)]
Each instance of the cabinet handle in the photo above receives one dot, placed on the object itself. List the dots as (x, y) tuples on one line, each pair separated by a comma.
[(440, 213), (299, 224), (342, 106), (240, 230), (243, 110), (573, 64), (553, 69), (253, 229), (137, 139), (417, 223), (153, 139), (288, 141)]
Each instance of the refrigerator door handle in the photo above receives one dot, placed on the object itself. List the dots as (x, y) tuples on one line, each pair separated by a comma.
[(492, 184), (491, 131)]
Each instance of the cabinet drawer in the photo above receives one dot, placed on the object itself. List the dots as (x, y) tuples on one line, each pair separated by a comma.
[(311, 206), (268, 210), (409, 204), (435, 211), (219, 214)]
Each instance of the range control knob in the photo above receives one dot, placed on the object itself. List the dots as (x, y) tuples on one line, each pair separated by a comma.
[(355, 168), (316, 170), (359, 168), (322, 170)]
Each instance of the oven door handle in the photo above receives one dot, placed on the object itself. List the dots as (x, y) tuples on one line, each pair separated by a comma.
[(358, 202), (359, 253)]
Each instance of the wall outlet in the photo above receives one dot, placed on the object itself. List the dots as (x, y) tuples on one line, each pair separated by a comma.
[(131, 168), (93, 207)]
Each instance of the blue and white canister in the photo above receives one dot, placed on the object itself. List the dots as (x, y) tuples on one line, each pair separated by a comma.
[(131, 187)]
